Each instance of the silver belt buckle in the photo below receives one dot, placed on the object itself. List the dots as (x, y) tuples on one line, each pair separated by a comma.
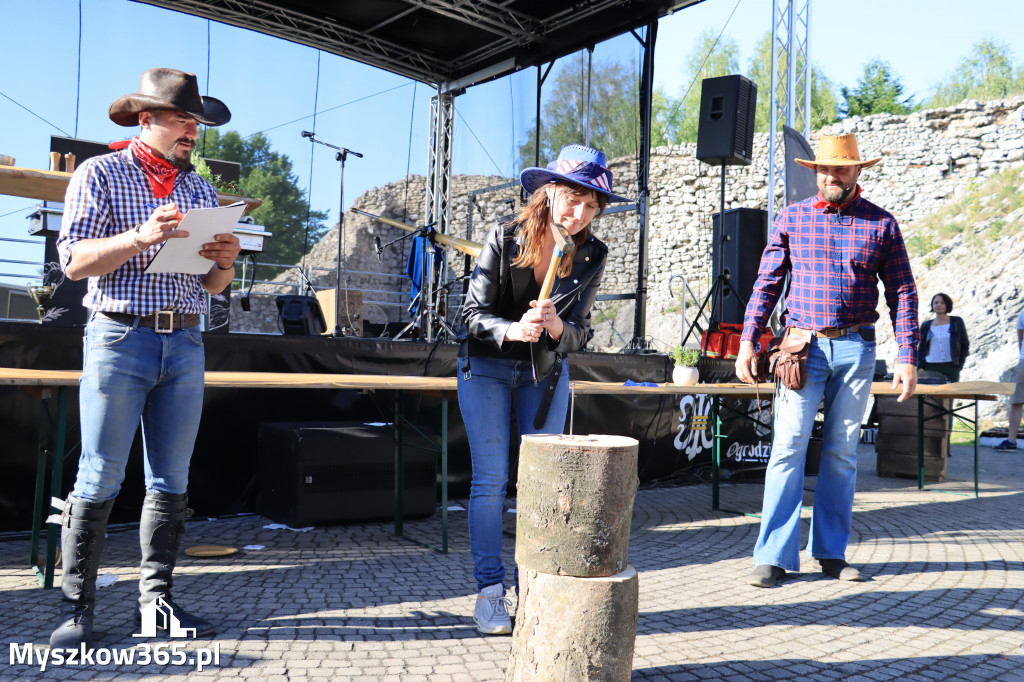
[(164, 322)]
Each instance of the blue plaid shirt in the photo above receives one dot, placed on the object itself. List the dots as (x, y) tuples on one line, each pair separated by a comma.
[(107, 195), (836, 259)]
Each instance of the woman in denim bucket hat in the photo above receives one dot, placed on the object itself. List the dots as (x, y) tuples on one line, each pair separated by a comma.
[(515, 345)]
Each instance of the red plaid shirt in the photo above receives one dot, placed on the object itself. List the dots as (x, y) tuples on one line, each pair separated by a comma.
[(836, 258)]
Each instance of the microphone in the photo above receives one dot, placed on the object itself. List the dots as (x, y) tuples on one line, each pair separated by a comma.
[(378, 249), (306, 133)]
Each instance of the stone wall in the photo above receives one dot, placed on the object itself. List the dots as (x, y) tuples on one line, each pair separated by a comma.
[(928, 158)]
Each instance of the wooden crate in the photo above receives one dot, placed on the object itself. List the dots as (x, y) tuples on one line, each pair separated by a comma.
[(896, 444), (352, 321)]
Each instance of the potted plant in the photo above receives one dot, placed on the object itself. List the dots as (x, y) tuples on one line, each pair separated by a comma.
[(685, 371)]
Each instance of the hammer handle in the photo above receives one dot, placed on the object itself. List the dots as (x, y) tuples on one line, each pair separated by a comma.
[(549, 278)]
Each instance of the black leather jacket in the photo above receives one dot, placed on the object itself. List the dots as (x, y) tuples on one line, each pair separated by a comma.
[(495, 284), (959, 345)]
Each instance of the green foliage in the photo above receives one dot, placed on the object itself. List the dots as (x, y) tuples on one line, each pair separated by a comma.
[(920, 243), (824, 107), (980, 215), (267, 175), (614, 115), (987, 72), (707, 59), (684, 357), (878, 91)]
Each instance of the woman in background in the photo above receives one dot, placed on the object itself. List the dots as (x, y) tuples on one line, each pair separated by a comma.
[(944, 346)]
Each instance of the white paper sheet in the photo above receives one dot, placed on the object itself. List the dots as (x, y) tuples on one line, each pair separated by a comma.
[(182, 255)]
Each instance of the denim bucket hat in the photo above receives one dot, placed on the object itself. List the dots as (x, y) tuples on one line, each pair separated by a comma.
[(575, 163)]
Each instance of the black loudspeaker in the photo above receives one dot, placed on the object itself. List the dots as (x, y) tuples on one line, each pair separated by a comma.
[(745, 236), (319, 473), (725, 131), (301, 315)]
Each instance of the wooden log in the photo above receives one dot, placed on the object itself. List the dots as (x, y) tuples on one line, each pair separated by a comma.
[(574, 629), (575, 503)]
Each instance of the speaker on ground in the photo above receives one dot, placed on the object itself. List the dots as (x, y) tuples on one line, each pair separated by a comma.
[(736, 253)]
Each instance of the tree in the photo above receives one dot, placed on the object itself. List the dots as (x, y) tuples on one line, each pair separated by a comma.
[(824, 107), (710, 57), (563, 119), (878, 91), (614, 112), (267, 175), (986, 73)]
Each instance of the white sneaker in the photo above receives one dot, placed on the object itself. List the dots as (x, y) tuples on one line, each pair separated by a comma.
[(491, 611)]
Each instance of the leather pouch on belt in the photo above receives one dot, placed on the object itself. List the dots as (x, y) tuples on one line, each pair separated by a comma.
[(787, 360)]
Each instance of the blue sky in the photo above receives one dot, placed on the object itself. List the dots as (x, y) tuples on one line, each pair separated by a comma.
[(271, 85)]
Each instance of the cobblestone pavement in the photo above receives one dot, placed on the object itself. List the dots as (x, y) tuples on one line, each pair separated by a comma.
[(944, 599)]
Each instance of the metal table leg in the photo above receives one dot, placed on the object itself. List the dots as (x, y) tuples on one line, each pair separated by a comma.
[(400, 473), (41, 500)]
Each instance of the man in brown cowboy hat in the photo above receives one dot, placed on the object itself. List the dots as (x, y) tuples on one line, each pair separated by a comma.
[(836, 246), (143, 355)]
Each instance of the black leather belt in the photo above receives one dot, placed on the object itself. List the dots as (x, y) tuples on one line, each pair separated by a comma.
[(162, 321)]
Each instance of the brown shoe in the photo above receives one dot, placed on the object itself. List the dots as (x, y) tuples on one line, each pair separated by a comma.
[(766, 575), (840, 570)]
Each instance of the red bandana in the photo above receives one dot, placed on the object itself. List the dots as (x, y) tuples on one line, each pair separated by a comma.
[(821, 203), (161, 173)]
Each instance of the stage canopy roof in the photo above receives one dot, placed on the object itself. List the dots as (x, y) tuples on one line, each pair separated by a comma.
[(448, 43)]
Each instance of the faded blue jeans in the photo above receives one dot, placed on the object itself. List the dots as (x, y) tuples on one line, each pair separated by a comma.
[(131, 375), (840, 372), (485, 401)]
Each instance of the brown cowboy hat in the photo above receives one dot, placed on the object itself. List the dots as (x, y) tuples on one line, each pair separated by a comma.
[(838, 150), (168, 89)]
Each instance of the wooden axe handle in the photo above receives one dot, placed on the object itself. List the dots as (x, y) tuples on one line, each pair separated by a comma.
[(549, 278)]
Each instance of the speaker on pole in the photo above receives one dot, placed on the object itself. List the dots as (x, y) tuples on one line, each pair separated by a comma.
[(738, 249), (725, 130)]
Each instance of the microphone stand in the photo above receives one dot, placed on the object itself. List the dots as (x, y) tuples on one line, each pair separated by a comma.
[(341, 155)]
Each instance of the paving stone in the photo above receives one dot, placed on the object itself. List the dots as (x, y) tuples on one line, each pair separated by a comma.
[(944, 599)]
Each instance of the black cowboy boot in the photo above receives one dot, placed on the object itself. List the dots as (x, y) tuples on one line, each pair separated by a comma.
[(160, 530), (81, 543)]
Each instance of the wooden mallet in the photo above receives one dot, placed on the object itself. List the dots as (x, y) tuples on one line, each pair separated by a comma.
[(564, 245)]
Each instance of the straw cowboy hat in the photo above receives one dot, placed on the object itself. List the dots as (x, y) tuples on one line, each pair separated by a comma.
[(168, 89), (575, 163), (838, 150)]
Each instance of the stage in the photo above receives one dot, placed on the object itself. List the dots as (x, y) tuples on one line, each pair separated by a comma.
[(224, 465)]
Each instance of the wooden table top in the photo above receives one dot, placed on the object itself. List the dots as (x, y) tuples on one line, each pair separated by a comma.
[(46, 185), (973, 390)]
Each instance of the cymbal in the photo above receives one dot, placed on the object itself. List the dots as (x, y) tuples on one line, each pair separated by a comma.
[(464, 245)]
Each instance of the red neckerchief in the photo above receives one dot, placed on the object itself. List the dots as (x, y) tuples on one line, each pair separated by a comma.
[(822, 203), (161, 173)]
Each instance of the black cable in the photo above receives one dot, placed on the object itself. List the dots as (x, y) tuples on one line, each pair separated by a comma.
[(486, 153), (207, 76), (408, 156), (54, 125), (701, 67), (314, 114), (78, 77), (312, 154)]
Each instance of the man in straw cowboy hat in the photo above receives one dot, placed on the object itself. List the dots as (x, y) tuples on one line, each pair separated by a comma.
[(835, 246), (143, 355)]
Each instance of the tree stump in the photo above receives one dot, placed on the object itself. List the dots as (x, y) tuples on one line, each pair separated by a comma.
[(575, 503), (579, 599), (574, 629)]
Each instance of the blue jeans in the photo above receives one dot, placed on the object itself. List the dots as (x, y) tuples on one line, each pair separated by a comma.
[(840, 372), (131, 375), (485, 401)]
